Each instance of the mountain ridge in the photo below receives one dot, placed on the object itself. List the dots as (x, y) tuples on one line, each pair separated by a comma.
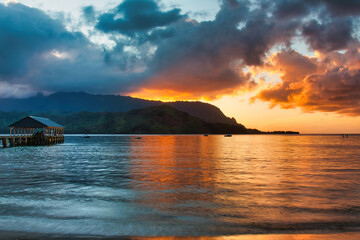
[(73, 102), (162, 119)]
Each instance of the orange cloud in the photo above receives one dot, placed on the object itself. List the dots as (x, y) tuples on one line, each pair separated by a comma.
[(189, 80), (328, 82)]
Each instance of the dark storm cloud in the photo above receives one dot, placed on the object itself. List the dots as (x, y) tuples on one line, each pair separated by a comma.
[(261, 33), (37, 52), (26, 32), (286, 9), (335, 34), (346, 7), (89, 13), (160, 34), (133, 16), (207, 58)]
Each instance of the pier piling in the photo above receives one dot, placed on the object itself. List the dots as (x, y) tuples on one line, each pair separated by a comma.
[(12, 141)]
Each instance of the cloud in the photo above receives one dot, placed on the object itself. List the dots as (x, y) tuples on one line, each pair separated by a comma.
[(207, 59), (329, 83), (165, 52), (133, 16), (37, 51), (26, 32), (89, 13), (335, 34), (287, 9), (8, 90), (193, 60), (348, 7)]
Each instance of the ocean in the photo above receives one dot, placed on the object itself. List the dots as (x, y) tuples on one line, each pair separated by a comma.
[(182, 185)]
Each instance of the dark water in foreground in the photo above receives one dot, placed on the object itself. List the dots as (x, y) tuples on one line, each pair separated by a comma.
[(182, 185)]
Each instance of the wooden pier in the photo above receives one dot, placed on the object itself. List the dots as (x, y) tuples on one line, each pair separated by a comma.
[(16, 141), (33, 131)]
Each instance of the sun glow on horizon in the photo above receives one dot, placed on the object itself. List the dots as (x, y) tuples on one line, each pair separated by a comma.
[(251, 111), (261, 115), (165, 95)]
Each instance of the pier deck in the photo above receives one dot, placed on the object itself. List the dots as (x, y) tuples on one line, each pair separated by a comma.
[(13, 141)]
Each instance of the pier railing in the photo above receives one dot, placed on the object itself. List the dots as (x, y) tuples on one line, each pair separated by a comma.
[(13, 141)]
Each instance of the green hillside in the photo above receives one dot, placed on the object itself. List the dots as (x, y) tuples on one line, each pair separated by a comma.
[(153, 120)]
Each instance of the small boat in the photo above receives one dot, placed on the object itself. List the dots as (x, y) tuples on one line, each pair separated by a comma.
[(227, 135), (138, 138)]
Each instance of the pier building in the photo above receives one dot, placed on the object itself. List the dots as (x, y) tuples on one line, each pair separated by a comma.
[(33, 131)]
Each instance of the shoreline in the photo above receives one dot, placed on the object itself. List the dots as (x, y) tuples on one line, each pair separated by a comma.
[(12, 235)]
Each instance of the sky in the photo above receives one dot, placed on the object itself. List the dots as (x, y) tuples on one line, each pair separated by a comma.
[(273, 65)]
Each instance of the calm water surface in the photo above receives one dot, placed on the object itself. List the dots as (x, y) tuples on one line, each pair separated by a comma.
[(183, 185)]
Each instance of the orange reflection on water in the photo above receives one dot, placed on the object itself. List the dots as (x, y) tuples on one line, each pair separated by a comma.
[(265, 183), (175, 180), (286, 179)]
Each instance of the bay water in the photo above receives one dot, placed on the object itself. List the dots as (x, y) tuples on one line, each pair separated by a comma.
[(182, 185)]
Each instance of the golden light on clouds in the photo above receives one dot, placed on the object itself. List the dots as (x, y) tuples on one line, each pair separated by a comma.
[(290, 90), (165, 95)]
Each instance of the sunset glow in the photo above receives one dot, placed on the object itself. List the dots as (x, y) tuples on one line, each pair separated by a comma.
[(164, 95), (300, 60), (180, 119)]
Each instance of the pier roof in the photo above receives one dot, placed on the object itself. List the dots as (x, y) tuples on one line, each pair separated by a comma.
[(35, 122)]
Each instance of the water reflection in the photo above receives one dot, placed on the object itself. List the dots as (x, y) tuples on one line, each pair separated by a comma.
[(257, 183), (183, 186), (177, 175)]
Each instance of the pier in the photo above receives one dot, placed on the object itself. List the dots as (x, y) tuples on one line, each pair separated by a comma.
[(16, 141), (33, 131)]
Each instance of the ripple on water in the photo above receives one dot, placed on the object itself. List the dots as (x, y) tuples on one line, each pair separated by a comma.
[(182, 185)]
